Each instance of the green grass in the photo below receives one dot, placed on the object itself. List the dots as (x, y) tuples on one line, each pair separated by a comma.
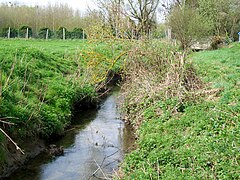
[(43, 80), (202, 142)]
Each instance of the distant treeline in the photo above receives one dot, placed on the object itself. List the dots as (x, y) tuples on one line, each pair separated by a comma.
[(52, 21)]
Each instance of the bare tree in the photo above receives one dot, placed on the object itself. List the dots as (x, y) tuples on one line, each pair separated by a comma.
[(112, 12), (144, 12)]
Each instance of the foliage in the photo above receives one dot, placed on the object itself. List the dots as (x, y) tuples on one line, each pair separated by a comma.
[(60, 31), (195, 138), (43, 33), (13, 32), (78, 33), (23, 31), (188, 25), (41, 84), (223, 15), (52, 16)]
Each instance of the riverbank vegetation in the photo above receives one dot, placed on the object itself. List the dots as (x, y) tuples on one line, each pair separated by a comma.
[(42, 82), (186, 112), (184, 106)]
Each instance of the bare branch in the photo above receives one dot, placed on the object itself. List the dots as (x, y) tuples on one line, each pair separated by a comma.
[(15, 144)]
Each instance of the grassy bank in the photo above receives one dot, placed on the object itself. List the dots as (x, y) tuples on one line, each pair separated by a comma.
[(42, 81), (187, 116)]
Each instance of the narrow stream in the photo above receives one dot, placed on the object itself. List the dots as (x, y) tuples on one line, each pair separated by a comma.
[(92, 149)]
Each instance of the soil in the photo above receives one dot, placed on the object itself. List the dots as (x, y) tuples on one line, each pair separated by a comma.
[(16, 159)]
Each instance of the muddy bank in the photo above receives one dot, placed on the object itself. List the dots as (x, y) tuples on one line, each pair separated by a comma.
[(15, 159)]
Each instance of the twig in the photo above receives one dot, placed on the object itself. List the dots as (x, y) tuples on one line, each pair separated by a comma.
[(8, 118), (5, 122), (103, 94), (17, 148), (100, 169)]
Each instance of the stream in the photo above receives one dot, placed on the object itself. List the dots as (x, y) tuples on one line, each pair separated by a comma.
[(93, 147)]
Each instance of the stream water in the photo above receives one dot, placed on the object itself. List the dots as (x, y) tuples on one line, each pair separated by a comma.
[(93, 148)]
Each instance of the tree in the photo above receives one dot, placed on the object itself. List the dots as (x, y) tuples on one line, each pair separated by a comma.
[(188, 25), (112, 12), (224, 15), (144, 12)]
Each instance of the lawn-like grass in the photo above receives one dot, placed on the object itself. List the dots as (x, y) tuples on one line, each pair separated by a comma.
[(203, 140)]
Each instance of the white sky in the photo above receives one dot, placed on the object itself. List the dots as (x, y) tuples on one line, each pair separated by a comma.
[(82, 5)]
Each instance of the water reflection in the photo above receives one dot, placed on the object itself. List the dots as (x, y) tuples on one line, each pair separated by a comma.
[(92, 149)]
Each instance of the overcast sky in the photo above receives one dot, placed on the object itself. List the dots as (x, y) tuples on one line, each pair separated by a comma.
[(75, 4)]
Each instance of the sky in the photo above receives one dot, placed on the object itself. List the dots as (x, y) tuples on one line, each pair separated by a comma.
[(82, 5)]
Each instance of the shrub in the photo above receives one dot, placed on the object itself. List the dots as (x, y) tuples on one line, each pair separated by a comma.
[(13, 32), (59, 33), (43, 33), (23, 32), (78, 33)]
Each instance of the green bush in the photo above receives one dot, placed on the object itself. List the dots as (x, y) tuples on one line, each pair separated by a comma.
[(43, 33), (23, 32), (59, 33), (78, 33), (13, 33)]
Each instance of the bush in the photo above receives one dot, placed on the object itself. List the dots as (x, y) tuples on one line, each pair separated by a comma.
[(43, 33), (188, 25), (59, 33), (78, 33), (23, 32), (13, 32)]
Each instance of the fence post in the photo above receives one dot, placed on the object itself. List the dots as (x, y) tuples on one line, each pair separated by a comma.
[(9, 33), (63, 33), (47, 35), (27, 34)]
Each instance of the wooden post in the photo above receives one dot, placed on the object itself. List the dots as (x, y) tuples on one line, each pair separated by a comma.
[(83, 35), (47, 35), (9, 33), (63, 33), (169, 34), (27, 34)]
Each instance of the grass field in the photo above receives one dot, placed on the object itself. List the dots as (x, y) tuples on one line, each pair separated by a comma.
[(201, 140), (42, 81)]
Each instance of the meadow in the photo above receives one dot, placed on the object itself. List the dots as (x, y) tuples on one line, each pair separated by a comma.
[(43, 82)]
